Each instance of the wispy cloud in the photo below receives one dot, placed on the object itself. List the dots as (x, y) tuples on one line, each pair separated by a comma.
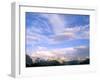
[(53, 30), (79, 32), (70, 53)]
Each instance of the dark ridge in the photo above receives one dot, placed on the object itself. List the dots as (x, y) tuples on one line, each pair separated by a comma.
[(41, 62), (28, 61)]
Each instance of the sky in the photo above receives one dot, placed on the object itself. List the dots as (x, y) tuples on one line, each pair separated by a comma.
[(57, 35)]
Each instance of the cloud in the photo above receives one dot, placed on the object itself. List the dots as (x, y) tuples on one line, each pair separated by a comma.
[(33, 36), (59, 28), (57, 22), (51, 29), (70, 53), (63, 36), (83, 35), (83, 52), (79, 32), (43, 53), (32, 39)]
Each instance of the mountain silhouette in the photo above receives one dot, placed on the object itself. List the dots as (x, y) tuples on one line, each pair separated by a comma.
[(86, 61), (41, 62), (28, 61)]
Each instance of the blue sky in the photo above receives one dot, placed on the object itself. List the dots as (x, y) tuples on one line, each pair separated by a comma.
[(48, 31)]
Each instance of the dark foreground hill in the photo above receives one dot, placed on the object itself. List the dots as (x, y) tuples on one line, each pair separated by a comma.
[(28, 61), (40, 62)]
